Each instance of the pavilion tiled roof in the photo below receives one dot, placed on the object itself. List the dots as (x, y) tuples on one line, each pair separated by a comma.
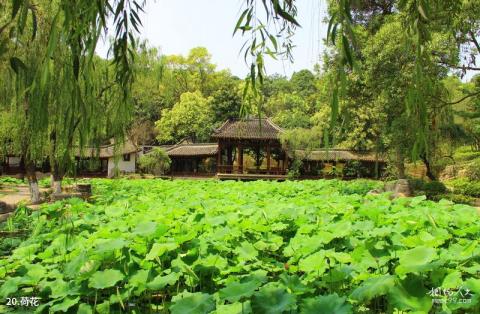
[(251, 128), (108, 151), (184, 150), (338, 154)]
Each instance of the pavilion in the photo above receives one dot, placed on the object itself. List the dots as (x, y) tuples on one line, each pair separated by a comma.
[(254, 139)]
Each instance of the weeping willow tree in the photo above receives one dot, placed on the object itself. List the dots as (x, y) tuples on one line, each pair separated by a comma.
[(93, 113), (65, 97), (268, 26)]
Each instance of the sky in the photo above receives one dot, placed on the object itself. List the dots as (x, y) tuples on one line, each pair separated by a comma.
[(176, 26)]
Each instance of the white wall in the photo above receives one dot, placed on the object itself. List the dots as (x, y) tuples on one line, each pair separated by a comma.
[(123, 166), (14, 161)]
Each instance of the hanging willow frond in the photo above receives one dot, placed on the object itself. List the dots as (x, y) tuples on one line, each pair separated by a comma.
[(417, 25), (340, 34), (60, 84), (271, 37)]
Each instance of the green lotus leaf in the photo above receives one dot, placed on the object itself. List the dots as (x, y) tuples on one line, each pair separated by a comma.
[(110, 245), (161, 282), (73, 267), (315, 263), (115, 211), (294, 284), (84, 309), (326, 304), (410, 295), (59, 288), (158, 249), (195, 303), (373, 287), (35, 272), (105, 279), (272, 300), (415, 260), (246, 251), (453, 280), (236, 291), (9, 287), (145, 229), (234, 308), (139, 281), (64, 305)]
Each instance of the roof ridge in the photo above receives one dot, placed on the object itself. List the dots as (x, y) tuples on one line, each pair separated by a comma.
[(276, 126), (222, 126), (194, 144)]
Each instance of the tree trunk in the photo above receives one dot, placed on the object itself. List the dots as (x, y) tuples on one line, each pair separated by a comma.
[(57, 177), (399, 163), (429, 173), (32, 182), (23, 170)]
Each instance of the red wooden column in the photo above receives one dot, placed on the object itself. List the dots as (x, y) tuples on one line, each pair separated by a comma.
[(268, 157)]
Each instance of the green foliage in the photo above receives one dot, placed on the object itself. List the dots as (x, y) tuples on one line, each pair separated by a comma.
[(354, 169), (10, 181), (190, 118), (473, 170), (271, 300), (465, 187), (360, 186), (434, 188), (455, 198), (195, 303), (105, 279), (226, 101), (204, 248), (294, 169), (466, 154), (328, 304), (155, 162)]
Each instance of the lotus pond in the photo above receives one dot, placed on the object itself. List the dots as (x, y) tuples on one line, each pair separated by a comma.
[(230, 247)]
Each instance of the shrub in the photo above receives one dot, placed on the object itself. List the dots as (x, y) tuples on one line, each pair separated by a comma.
[(473, 170), (155, 162), (354, 168), (466, 154), (466, 187), (456, 198), (10, 181), (416, 184), (359, 186), (294, 169), (434, 188)]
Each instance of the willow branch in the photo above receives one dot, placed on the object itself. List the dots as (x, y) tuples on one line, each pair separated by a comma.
[(2, 28), (445, 103), (460, 67), (474, 40), (104, 89)]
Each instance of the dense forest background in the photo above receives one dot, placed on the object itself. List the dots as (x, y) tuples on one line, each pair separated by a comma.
[(175, 97)]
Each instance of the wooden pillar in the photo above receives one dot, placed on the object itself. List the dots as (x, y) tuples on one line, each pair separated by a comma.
[(285, 162), (219, 157), (268, 157), (240, 158), (229, 155)]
